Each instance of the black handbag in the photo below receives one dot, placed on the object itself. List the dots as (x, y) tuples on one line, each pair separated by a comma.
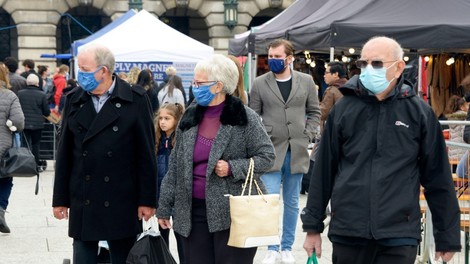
[(19, 162), (150, 248)]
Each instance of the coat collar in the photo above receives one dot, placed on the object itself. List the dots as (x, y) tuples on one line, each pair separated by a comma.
[(86, 115), (121, 90), (233, 113), (272, 83)]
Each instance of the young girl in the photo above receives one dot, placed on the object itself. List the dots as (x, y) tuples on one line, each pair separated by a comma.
[(166, 120)]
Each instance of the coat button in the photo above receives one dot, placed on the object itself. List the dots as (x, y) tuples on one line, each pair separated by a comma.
[(87, 177), (288, 123), (87, 202), (118, 105), (106, 204), (106, 179), (85, 153), (110, 154), (115, 128)]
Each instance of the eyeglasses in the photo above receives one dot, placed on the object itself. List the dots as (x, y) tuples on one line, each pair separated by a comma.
[(203, 83), (376, 64), (327, 72)]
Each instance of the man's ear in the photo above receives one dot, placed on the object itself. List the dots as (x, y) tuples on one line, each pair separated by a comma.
[(400, 68)]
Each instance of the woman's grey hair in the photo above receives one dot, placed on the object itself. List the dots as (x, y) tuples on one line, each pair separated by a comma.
[(103, 56), (220, 68)]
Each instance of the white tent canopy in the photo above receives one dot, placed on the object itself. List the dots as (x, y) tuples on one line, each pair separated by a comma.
[(143, 37), (144, 41)]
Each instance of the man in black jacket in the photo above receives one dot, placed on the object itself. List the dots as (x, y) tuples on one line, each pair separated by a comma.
[(380, 143), (35, 108)]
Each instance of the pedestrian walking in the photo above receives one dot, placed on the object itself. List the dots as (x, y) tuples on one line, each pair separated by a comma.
[(204, 168), (380, 143), (105, 177), (287, 102)]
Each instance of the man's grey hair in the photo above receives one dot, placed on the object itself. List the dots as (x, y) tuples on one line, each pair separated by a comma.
[(220, 68), (103, 55)]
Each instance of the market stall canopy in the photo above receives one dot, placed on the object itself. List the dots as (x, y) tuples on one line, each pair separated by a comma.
[(314, 32), (434, 25), (143, 37), (259, 37), (141, 40), (430, 25)]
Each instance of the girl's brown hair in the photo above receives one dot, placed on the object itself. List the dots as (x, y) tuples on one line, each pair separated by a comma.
[(454, 104), (175, 110)]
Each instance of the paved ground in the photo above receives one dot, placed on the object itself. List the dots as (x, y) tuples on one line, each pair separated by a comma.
[(38, 238)]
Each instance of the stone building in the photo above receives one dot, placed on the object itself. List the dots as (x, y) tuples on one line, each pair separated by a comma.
[(29, 28)]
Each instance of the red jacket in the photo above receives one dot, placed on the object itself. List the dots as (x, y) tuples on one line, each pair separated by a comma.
[(60, 83)]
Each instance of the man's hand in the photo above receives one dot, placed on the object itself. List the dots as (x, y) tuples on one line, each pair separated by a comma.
[(164, 223), (313, 244), (145, 212), (61, 212), (446, 256)]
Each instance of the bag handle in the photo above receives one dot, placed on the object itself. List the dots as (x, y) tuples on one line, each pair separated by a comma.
[(312, 259), (250, 179), (25, 140), (149, 227)]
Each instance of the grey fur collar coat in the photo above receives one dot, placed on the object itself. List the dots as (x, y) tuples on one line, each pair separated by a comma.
[(241, 136)]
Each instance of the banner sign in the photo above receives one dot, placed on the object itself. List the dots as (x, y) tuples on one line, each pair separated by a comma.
[(185, 70)]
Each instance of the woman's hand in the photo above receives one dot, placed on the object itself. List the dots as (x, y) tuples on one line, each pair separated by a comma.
[(221, 168)]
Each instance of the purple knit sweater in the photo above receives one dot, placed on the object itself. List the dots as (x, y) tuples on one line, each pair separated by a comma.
[(206, 133)]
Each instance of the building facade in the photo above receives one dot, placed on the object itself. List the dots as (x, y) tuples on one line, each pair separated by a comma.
[(30, 28)]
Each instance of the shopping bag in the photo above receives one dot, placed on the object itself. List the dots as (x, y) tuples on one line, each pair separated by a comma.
[(312, 259), (254, 218), (18, 161), (150, 248)]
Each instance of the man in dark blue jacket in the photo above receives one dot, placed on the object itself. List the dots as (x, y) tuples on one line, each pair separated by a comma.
[(380, 143)]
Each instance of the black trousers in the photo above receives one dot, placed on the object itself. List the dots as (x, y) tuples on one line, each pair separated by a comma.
[(203, 247), (34, 140), (165, 233), (373, 253), (86, 252)]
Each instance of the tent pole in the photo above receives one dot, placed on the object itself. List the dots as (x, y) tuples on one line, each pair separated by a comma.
[(250, 71), (420, 73), (332, 54), (254, 65)]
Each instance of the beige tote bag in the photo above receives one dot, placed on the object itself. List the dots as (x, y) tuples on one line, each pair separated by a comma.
[(254, 218)]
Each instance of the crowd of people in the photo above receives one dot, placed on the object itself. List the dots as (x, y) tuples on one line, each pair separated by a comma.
[(131, 149)]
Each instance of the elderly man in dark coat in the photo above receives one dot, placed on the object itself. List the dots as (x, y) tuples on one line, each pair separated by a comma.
[(106, 167), (35, 108)]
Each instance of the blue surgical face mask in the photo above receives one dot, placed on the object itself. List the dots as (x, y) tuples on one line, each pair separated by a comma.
[(277, 65), (375, 80), (87, 80), (203, 94)]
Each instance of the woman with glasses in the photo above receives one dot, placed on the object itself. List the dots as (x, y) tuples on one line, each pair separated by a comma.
[(215, 140)]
